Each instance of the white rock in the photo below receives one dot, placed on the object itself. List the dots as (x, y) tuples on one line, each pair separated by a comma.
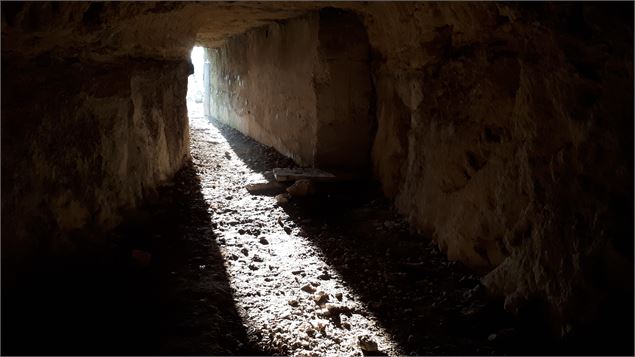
[(301, 188), (321, 297), (282, 198), (308, 288)]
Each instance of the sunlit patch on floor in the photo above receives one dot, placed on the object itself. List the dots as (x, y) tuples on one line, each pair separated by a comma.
[(290, 300)]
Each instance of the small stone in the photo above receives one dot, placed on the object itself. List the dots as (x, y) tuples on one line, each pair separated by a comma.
[(366, 343), (293, 302), (506, 333), (301, 188), (263, 240), (245, 251), (308, 288), (336, 309), (491, 337), (321, 326), (282, 198), (470, 311), (321, 297), (263, 186), (338, 296), (287, 230), (141, 257)]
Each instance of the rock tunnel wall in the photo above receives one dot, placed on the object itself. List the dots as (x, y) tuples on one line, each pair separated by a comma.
[(84, 142), (503, 131), (505, 134), (302, 86), (344, 92), (261, 84)]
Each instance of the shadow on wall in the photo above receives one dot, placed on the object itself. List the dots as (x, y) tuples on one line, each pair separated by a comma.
[(161, 289)]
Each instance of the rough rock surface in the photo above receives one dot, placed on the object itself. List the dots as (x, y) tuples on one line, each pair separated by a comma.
[(504, 131), (505, 134), (301, 188), (83, 143), (320, 114), (248, 94)]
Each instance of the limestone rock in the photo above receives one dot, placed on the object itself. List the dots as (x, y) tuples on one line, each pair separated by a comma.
[(301, 188), (262, 187), (282, 198), (366, 343)]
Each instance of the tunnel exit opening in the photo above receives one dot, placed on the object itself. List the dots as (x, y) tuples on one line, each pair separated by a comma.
[(196, 98)]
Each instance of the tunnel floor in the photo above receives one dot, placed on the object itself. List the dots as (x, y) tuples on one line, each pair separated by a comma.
[(208, 268), (319, 273)]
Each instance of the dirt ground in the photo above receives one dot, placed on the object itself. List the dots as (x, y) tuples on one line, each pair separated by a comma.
[(208, 268)]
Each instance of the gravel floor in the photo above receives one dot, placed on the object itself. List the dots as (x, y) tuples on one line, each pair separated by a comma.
[(334, 273)]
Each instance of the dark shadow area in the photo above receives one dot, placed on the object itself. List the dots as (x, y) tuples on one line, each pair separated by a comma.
[(431, 306), (160, 288)]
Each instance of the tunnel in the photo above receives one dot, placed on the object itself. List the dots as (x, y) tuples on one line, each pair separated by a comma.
[(317, 178)]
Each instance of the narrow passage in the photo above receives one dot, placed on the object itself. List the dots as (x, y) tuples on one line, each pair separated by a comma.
[(337, 272), (289, 298)]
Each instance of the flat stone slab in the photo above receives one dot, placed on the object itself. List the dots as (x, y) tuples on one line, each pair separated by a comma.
[(316, 175), (263, 186)]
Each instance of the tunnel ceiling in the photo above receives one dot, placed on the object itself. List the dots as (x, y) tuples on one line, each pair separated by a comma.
[(136, 29)]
